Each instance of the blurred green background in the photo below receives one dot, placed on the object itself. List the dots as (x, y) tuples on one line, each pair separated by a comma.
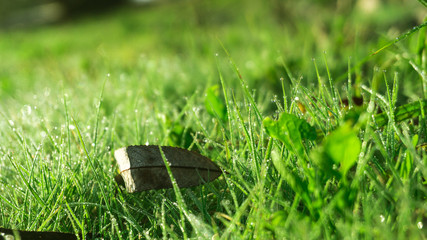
[(174, 47)]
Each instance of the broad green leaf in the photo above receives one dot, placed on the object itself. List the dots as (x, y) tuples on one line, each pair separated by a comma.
[(214, 103), (180, 136), (343, 147), (324, 164), (291, 130)]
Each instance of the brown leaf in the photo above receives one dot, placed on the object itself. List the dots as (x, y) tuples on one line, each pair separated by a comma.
[(142, 167), (31, 235)]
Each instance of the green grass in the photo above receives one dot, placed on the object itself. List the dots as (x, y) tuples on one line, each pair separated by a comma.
[(237, 82)]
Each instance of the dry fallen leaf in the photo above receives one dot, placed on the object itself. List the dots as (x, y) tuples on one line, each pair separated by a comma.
[(6, 233), (142, 167)]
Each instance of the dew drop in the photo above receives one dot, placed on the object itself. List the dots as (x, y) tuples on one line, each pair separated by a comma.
[(420, 225), (46, 92), (26, 110)]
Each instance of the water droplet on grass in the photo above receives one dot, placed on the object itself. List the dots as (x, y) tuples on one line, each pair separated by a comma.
[(46, 92), (26, 110), (382, 218), (420, 225)]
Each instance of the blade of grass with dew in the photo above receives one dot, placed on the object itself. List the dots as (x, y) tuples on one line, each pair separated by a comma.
[(180, 202), (98, 107), (248, 138), (401, 37), (331, 85), (402, 113), (228, 107), (244, 84), (33, 191), (74, 220), (94, 169)]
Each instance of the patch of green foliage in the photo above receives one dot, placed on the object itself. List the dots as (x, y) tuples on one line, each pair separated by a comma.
[(241, 83)]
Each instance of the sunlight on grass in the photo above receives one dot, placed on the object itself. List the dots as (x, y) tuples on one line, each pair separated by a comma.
[(315, 136)]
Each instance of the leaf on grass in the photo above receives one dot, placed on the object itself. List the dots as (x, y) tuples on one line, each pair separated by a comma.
[(291, 130), (6, 233), (214, 103), (142, 167)]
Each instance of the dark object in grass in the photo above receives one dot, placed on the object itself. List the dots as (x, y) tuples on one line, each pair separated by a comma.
[(142, 167), (31, 235)]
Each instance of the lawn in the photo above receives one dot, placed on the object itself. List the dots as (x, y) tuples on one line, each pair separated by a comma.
[(317, 137)]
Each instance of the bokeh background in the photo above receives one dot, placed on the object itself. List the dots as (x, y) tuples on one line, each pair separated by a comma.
[(144, 50)]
